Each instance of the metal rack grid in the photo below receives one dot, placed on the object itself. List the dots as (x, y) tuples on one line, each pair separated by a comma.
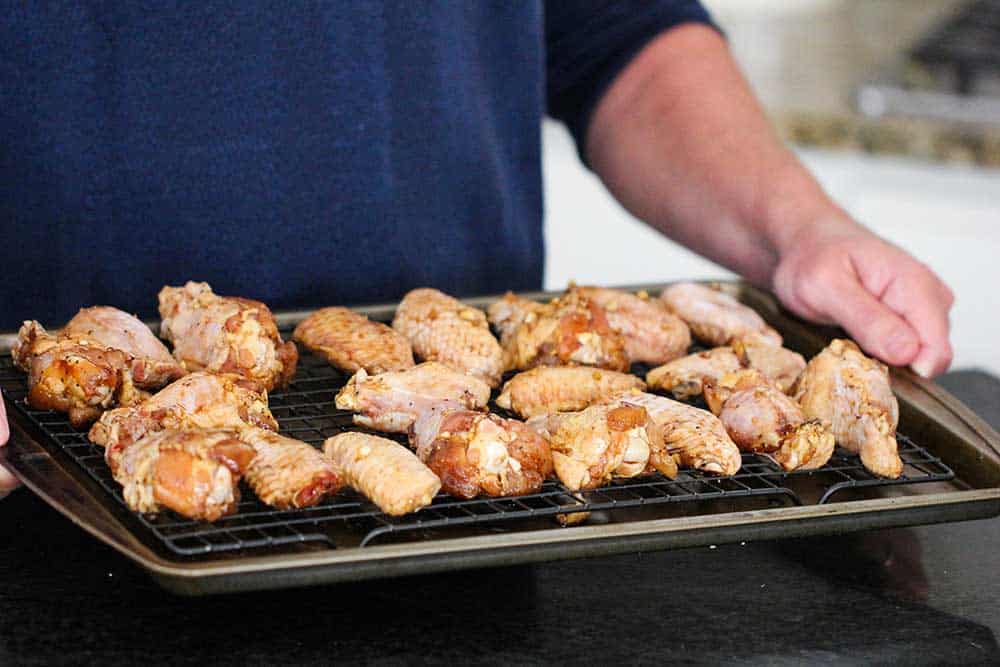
[(305, 411)]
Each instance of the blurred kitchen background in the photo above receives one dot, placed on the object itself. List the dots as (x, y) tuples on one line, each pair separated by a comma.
[(895, 107)]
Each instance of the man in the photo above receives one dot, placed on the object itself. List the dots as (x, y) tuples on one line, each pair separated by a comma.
[(346, 152)]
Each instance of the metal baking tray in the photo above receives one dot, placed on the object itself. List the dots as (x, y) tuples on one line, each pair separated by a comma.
[(952, 473)]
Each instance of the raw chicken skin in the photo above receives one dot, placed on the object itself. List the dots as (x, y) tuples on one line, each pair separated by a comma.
[(696, 437), (287, 473), (443, 329), (152, 366), (474, 453), (842, 386), (350, 341), (194, 473), (548, 389), (652, 334), (224, 334), (593, 446), (570, 330), (196, 401), (386, 472), (391, 402), (686, 377), (779, 364), (761, 418), (715, 317), (76, 377)]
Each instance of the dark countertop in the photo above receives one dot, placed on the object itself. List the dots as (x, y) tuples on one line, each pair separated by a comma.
[(922, 595)]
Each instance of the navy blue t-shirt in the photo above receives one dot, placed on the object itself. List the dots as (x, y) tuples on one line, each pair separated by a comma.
[(301, 153)]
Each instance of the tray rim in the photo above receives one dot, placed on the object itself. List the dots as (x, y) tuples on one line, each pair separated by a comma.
[(68, 495)]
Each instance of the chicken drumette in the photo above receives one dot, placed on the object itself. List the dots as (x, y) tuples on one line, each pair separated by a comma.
[(474, 453), (715, 317), (196, 401), (652, 334), (151, 364), (350, 341), (696, 437), (842, 386), (570, 330), (778, 364), (685, 377), (193, 472), (603, 442), (548, 389), (225, 335), (80, 378), (392, 401), (443, 329), (760, 418)]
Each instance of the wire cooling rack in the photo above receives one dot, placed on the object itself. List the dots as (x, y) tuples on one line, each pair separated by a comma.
[(305, 410)]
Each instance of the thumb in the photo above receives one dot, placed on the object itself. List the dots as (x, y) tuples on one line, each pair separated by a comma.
[(876, 327), (4, 429), (7, 479)]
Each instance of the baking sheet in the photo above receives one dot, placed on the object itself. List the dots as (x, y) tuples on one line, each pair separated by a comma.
[(699, 509)]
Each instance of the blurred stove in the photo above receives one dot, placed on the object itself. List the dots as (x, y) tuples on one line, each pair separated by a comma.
[(952, 73)]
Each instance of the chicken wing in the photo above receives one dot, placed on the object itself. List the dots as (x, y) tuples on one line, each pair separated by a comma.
[(593, 446), (652, 334), (474, 453), (151, 365), (779, 364), (696, 437), (443, 329), (509, 312), (196, 401), (685, 377), (194, 473), (224, 334), (761, 418), (350, 341), (715, 317), (387, 473), (288, 473), (548, 389), (392, 401), (570, 330), (842, 386), (718, 390), (76, 377)]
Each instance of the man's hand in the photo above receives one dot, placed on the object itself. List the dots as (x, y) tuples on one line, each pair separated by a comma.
[(7, 481), (891, 304), (680, 140)]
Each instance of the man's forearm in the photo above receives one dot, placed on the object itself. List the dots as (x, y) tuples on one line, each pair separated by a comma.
[(680, 140)]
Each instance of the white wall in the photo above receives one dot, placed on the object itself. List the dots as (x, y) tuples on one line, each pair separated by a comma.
[(591, 239), (948, 216)]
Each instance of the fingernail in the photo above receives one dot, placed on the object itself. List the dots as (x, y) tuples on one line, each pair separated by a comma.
[(922, 367)]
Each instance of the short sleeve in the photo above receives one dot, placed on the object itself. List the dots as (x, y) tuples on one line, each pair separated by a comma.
[(589, 42)]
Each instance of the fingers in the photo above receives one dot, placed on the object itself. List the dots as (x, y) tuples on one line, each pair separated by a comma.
[(877, 327), (4, 429), (923, 301), (895, 307), (7, 480)]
